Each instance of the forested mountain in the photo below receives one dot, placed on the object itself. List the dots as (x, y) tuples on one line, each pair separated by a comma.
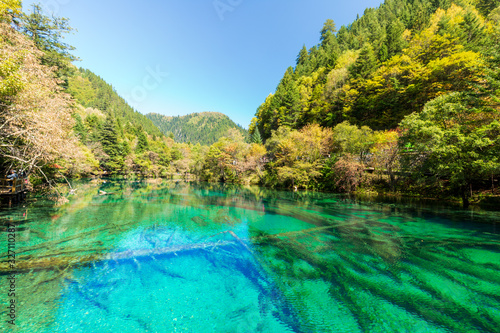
[(387, 64), (121, 139), (204, 128), (91, 91)]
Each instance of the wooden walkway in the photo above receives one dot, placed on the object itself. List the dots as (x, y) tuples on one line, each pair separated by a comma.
[(13, 191)]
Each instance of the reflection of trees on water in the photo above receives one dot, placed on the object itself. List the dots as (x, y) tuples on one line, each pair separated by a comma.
[(362, 254)]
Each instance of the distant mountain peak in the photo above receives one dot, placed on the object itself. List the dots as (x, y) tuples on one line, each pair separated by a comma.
[(200, 127)]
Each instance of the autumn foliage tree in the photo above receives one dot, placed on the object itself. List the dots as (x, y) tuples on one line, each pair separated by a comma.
[(35, 115), (348, 173), (231, 159), (299, 155)]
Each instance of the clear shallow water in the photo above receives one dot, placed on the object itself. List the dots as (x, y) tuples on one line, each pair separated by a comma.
[(179, 257)]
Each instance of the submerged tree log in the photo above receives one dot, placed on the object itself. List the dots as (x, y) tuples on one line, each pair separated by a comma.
[(29, 263), (55, 259)]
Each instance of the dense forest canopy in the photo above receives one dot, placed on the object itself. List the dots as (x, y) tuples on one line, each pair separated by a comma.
[(385, 65)]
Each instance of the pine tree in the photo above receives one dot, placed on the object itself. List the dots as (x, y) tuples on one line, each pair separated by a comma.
[(142, 142), (383, 53), (394, 40), (256, 138), (111, 146), (287, 98), (329, 29), (329, 45), (303, 56), (472, 31), (79, 128), (109, 138), (47, 34), (365, 63), (486, 6)]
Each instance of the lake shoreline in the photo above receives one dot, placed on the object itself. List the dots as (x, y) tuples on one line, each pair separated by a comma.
[(483, 201)]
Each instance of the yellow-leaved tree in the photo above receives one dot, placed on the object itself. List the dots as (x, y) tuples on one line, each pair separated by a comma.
[(35, 115), (8, 9)]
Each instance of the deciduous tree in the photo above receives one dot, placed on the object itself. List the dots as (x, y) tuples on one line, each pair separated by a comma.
[(35, 115), (453, 140)]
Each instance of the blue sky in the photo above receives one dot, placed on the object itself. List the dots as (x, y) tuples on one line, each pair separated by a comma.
[(176, 57)]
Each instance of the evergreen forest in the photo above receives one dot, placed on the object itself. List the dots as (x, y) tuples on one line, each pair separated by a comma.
[(204, 128)]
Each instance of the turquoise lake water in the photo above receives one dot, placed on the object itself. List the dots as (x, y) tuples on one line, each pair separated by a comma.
[(186, 257)]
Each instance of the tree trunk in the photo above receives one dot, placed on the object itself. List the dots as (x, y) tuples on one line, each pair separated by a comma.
[(392, 182), (492, 184), (465, 197)]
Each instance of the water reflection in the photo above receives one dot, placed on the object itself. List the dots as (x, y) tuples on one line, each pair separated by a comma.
[(147, 256)]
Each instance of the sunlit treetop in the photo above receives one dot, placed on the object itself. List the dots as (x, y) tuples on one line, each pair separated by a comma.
[(9, 9)]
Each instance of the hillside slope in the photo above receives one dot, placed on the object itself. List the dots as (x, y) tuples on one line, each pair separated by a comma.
[(204, 128), (91, 91), (387, 64)]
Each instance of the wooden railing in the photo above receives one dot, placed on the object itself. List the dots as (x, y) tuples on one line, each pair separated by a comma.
[(8, 186)]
